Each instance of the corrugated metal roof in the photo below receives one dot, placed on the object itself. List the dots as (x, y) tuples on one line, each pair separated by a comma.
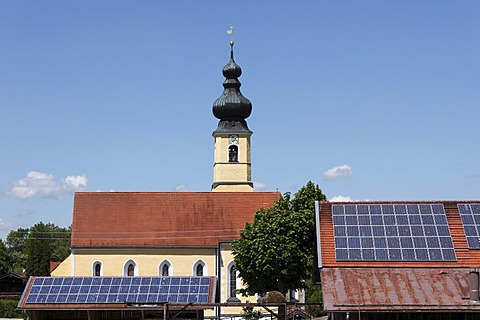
[(396, 289)]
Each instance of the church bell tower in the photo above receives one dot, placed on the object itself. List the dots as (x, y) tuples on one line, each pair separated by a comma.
[(232, 162)]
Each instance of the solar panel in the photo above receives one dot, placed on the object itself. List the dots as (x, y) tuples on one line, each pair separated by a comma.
[(470, 215), (133, 290), (392, 232)]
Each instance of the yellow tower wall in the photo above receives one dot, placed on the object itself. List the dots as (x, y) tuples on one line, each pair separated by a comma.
[(221, 149), (237, 174)]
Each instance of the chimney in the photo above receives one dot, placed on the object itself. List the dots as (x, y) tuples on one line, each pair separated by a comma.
[(473, 284)]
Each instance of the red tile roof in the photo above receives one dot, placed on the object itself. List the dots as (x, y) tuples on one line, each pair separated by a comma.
[(162, 219), (406, 286), (53, 266), (465, 257), (394, 289)]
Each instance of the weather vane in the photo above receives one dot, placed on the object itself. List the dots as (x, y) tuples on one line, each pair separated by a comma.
[(230, 32)]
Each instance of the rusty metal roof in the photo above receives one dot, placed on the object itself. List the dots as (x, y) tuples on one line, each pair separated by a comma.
[(396, 289)]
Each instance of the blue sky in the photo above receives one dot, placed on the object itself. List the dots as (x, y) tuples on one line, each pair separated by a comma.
[(372, 100)]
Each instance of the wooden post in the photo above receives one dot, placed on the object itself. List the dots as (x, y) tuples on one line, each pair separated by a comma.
[(282, 312)]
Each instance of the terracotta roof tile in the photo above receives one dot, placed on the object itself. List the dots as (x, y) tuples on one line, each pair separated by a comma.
[(53, 266), (465, 257), (162, 219)]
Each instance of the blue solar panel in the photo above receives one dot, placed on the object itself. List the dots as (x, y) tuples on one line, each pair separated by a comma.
[(449, 254), (381, 254), (470, 215), (392, 232), (409, 254), (135, 290), (376, 220), (389, 219)]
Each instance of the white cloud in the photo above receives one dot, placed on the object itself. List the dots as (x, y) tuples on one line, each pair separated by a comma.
[(337, 172), (5, 225), (39, 183), (346, 199), (341, 199), (258, 186), (181, 188)]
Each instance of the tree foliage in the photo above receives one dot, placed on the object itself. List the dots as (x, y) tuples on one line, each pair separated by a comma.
[(39, 251), (4, 258), (28, 248), (60, 241), (274, 252), (8, 309), (15, 243), (249, 313)]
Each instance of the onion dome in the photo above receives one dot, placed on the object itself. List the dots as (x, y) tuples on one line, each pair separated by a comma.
[(232, 108)]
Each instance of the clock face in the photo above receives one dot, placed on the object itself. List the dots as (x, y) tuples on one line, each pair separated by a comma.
[(233, 139)]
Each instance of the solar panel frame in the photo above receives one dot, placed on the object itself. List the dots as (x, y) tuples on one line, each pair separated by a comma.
[(448, 254), (408, 253), (141, 290), (379, 232), (470, 217)]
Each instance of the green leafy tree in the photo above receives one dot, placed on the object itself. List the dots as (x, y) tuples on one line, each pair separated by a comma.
[(60, 242), (304, 199), (24, 241), (274, 252), (15, 243), (8, 309), (313, 295), (248, 313), (39, 250), (4, 258)]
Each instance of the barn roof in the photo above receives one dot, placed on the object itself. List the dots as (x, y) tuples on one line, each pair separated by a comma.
[(388, 289), (388, 282), (163, 219), (465, 257)]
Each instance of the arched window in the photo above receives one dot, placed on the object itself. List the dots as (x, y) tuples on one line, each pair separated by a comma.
[(97, 269), (199, 270), (232, 290), (165, 269), (233, 154), (130, 269)]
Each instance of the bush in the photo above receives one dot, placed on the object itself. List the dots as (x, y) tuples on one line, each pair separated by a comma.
[(8, 309)]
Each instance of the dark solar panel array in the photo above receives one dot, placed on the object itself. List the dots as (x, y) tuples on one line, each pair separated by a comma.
[(81, 290), (470, 214), (392, 232)]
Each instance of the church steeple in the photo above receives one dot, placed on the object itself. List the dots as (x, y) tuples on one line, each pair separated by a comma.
[(232, 162), (232, 108)]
